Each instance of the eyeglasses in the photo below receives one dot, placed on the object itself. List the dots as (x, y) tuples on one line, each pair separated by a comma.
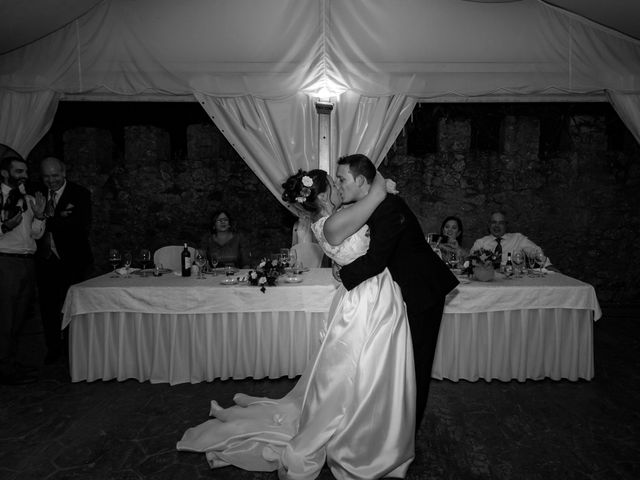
[(222, 220)]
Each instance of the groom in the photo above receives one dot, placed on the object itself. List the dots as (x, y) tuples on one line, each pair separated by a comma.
[(398, 243)]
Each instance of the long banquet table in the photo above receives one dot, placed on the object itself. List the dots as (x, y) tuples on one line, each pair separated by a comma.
[(177, 330)]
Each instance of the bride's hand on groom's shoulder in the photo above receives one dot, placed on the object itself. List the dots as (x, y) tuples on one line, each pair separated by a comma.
[(391, 186)]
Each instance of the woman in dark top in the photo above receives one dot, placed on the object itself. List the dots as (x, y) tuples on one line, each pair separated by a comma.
[(451, 231), (223, 243)]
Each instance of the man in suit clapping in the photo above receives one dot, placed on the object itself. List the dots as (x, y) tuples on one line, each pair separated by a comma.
[(64, 253)]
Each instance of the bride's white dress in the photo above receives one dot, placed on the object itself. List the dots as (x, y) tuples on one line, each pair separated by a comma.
[(354, 405)]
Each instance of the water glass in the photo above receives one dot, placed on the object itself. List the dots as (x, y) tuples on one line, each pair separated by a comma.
[(128, 258), (201, 261), (541, 259), (214, 263), (518, 261)]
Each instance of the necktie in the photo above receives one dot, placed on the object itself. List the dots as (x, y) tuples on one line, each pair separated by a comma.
[(51, 204), (498, 252), (46, 247)]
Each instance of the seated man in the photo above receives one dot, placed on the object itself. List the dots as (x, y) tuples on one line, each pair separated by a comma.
[(501, 241)]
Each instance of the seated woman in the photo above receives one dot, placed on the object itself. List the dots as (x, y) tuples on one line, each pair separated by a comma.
[(223, 243), (451, 241)]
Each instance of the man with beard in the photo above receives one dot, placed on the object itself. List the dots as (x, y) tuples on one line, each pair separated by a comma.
[(64, 253), (22, 221)]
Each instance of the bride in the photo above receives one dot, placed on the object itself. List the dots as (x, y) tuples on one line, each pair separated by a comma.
[(354, 405)]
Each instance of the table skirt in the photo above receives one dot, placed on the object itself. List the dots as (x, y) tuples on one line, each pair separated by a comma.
[(555, 343), (181, 348)]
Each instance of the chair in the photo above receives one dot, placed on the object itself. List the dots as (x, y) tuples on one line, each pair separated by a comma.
[(170, 256), (309, 254)]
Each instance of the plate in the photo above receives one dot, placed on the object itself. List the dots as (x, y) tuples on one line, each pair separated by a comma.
[(149, 271), (298, 271), (229, 281), (292, 279), (219, 271)]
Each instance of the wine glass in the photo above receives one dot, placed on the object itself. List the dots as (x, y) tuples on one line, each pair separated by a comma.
[(453, 259), (201, 261), (518, 260), (127, 263), (114, 260), (541, 258), (530, 261), (285, 256), (145, 257), (214, 263)]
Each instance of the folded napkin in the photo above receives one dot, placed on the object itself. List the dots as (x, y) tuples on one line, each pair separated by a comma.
[(123, 270)]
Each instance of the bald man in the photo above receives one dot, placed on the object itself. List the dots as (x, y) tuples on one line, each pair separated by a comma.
[(64, 253)]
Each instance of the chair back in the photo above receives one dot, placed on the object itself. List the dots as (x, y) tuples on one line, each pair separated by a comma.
[(170, 256), (309, 254)]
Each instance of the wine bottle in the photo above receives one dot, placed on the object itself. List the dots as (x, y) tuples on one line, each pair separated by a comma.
[(508, 267), (186, 262)]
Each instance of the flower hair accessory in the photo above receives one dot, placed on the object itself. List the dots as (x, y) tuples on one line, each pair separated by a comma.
[(305, 191)]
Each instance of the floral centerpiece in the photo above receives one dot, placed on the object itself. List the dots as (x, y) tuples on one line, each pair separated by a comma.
[(480, 264), (266, 273)]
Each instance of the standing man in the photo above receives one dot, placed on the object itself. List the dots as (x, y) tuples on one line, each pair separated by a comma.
[(397, 242), (22, 221), (64, 253)]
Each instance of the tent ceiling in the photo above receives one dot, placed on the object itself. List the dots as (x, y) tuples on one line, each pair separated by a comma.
[(22, 22)]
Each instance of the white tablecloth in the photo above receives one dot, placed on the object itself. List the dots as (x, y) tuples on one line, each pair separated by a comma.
[(174, 329), (518, 329)]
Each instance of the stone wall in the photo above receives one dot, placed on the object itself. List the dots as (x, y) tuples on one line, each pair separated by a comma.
[(156, 185), (567, 175)]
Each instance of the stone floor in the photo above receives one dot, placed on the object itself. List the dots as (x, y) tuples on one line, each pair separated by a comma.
[(56, 429)]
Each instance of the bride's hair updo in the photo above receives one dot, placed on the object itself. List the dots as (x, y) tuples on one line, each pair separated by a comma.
[(303, 188)]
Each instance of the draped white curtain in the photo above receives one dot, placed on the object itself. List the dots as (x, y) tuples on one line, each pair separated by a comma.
[(627, 105), (278, 137), (368, 125), (274, 137), (25, 118)]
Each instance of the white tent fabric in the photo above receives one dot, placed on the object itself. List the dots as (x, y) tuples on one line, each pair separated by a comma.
[(368, 125), (277, 48), (387, 54), (274, 137), (628, 107), (26, 118)]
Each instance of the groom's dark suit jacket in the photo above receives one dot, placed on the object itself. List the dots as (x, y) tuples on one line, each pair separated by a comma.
[(397, 242)]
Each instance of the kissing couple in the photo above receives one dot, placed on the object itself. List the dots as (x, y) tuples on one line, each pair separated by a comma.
[(361, 399)]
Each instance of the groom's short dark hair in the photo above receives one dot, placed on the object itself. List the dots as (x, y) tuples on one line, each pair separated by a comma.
[(359, 164)]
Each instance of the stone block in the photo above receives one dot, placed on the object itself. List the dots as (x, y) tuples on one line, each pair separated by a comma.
[(454, 135), (520, 135)]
